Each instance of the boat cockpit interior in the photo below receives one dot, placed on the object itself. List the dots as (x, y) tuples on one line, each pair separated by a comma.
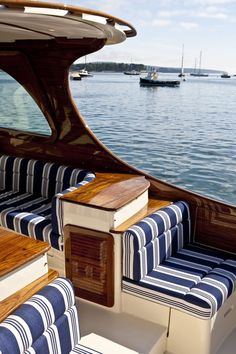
[(96, 256)]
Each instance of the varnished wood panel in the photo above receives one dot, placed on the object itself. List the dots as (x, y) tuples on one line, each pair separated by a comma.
[(109, 191), (16, 250), (152, 206), (8, 305), (90, 264), (216, 229)]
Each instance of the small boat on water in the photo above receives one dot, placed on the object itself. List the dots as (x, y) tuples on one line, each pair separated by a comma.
[(131, 72), (199, 73), (225, 76), (75, 76), (152, 80), (84, 73)]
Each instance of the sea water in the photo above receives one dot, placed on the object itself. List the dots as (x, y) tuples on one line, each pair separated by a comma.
[(183, 135)]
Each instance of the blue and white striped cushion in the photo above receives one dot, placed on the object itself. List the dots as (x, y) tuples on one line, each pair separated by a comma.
[(30, 196), (57, 215), (36, 177), (154, 239), (195, 282), (82, 349), (47, 322)]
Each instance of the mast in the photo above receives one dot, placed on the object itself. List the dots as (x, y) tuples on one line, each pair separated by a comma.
[(182, 63), (200, 62)]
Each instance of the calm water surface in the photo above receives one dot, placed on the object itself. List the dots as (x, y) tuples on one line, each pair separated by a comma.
[(184, 135)]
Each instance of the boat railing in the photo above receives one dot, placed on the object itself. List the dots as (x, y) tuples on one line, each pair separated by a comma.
[(72, 10)]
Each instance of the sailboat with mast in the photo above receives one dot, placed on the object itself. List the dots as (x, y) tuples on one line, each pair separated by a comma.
[(199, 73), (182, 74)]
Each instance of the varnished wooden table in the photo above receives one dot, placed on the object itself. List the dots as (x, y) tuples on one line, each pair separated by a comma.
[(15, 251)]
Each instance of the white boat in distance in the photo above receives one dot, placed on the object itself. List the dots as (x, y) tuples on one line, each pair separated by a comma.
[(84, 73)]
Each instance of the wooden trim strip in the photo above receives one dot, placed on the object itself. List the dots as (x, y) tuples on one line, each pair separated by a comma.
[(153, 205), (11, 303)]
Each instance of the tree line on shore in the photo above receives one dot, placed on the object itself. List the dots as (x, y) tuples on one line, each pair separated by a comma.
[(122, 67)]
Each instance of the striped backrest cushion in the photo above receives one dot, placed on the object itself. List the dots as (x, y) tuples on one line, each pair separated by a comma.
[(33, 321), (57, 178), (37, 177), (154, 239)]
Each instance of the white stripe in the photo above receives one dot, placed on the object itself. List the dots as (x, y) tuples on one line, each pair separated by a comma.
[(44, 307), (168, 244), (140, 234), (181, 289), (53, 340), (30, 176), (207, 297), (29, 351), (218, 285), (73, 322), (20, 329), (177, 211), (33, 223), (193, 265), (66, 291), (178, 273), (3, 162), (199, 255), (166, 219)]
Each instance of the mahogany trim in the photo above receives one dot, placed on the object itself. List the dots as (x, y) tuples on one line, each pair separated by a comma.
[(152, 206)]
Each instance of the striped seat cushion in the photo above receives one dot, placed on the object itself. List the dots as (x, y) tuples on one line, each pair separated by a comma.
[(160, 264), (197, 295), (154, 239), (30, 196), (46, 323), (82, 349)]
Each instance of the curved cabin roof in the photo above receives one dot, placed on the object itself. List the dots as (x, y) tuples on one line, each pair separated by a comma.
[(30, 20), (38, 43)]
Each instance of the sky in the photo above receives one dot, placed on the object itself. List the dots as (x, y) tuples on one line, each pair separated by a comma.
[(163, 26)]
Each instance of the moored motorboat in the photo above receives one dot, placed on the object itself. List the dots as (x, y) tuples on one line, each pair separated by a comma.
[(84, 73), (225, 76), (153, 266), (131, 72), (75, 76), (152, 80)]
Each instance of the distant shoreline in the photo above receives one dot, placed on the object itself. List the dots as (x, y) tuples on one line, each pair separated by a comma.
[(121, 67)]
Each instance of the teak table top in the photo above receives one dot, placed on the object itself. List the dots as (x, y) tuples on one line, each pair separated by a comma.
[(16, 250), (109, 191)]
